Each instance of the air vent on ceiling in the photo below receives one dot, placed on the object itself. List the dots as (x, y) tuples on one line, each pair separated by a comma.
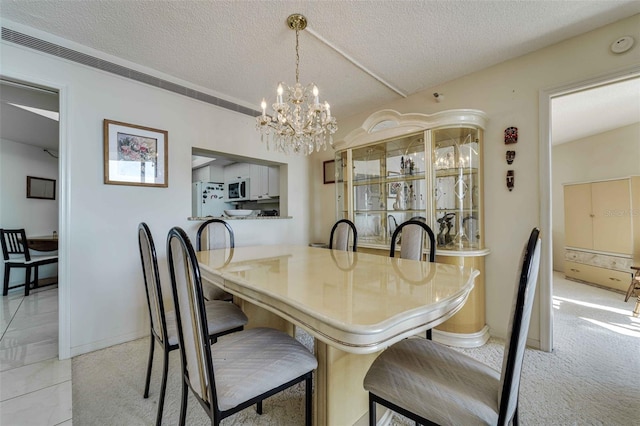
[(91, 61)]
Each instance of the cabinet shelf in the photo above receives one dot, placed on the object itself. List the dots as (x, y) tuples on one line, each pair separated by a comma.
[(455, 172)]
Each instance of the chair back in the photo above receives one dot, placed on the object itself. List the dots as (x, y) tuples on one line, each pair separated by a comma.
[(342, 230), (392, 224), (413, 231), (214, 234), (152, 285), (14, 241), (193, 338), (518, 328)]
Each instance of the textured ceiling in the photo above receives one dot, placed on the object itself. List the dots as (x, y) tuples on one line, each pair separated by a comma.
[(239, 50)]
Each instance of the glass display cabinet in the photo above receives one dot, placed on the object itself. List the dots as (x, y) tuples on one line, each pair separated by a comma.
[(398, 167)]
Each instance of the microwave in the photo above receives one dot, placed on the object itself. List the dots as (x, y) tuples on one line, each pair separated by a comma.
[(238, 190)]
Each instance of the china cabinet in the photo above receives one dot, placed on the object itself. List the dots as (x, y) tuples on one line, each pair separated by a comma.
[(397, 167)]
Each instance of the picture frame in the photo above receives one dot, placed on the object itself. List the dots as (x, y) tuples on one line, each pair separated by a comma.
[(135, 155), (393, 186), (41, 188), (329, 171)]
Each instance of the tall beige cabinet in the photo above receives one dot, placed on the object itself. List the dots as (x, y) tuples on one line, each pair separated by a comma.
[(602, 231), (402, 166)]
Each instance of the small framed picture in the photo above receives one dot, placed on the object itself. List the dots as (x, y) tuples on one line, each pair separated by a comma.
[(329, 171), (135, 155)]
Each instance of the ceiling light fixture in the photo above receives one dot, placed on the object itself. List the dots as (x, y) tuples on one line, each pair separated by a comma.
[(300, 123)]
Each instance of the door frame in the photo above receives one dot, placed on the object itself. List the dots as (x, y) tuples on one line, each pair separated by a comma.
[(64, 293), (545, 118)]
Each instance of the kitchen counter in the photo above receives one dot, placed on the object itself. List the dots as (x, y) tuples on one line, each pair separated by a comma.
[(241, 217)]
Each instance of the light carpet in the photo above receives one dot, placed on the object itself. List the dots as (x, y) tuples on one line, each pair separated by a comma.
[(591, 378)]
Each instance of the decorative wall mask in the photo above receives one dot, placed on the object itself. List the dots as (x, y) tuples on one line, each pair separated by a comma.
[(510, 179), (510, 135), (511, 155)]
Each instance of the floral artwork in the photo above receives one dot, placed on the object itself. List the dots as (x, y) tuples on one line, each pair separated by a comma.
[(135, 155), (136, 148)]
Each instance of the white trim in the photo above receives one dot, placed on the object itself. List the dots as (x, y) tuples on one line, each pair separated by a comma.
[(385, 419), (105, 343), (546, 260)]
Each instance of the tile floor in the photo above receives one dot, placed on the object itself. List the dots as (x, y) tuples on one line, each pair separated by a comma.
[(35, 387)]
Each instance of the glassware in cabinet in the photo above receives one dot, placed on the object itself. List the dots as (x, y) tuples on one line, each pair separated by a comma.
[(457, 184)]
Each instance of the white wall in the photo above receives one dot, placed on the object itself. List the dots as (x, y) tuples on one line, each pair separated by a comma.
[(607, 155), (107, 303), (508, 93), (37, 217)]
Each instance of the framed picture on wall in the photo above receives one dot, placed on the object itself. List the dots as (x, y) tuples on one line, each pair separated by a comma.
[(329, 171), (135, 155)]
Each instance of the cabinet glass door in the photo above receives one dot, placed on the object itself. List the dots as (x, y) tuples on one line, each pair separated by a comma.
[(342, 206), (456, 157), (406, 188), (369, 200)]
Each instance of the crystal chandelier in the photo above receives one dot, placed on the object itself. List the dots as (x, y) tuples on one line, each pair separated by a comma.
[(300, 123)]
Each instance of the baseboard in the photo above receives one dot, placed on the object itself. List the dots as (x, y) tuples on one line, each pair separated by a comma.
[(102, 344), (461, 340)]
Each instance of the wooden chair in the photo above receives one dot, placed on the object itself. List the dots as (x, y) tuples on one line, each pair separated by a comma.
[(634, 289), (215, 234), (240, 370), (223, 317), (434, 384), (15, 251), (341, 231)]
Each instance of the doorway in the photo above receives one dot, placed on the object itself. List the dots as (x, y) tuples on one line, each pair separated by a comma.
[(547, 183), (30, 147)]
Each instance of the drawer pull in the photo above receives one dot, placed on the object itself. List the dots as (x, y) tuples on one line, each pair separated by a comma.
[(614, 279), (575, 270)]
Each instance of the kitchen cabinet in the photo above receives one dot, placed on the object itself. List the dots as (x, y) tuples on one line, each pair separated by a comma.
[(396, 167), (264, 182), (237, 171), (602, 228), (274, 181)]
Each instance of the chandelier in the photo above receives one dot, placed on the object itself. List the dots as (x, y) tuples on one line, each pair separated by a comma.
[(300, 123)]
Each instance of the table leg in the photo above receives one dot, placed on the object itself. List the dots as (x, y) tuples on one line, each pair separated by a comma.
[(339, 398)]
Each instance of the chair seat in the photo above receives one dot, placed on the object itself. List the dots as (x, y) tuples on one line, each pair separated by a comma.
[(213, 292), (35, 259), (252, 362), (437, 383), (221, 316)]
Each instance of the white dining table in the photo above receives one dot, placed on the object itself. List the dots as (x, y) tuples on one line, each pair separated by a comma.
[(353, 304)]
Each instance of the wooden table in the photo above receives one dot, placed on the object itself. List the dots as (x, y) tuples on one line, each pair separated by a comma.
[(353, 304), (44, 243)]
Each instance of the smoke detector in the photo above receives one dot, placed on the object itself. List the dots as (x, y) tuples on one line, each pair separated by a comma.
[(622, 44)]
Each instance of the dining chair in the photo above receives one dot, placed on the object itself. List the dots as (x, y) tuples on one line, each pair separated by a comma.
[(241, 369), (16, 254), (215, 234), (223, 317), (412, 233), (434, 384), (341, 232)]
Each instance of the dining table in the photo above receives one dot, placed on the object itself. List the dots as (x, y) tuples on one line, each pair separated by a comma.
[(353, 304), (43, 242)]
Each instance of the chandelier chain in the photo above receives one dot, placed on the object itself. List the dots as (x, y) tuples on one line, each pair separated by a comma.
[(297, 58)]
